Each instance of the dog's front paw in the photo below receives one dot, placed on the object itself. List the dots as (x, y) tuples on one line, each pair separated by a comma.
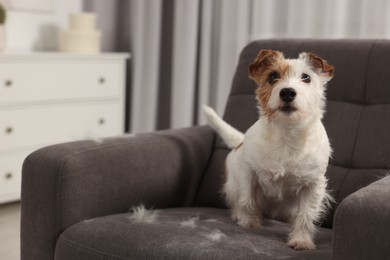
[(249, 222), (301, 244)]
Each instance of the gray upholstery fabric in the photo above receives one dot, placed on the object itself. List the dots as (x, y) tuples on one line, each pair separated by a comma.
[(75, 196), (362, 224), (67, 183), (186, 233)]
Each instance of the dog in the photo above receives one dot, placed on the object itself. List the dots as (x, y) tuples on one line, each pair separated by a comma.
[(277, 168)]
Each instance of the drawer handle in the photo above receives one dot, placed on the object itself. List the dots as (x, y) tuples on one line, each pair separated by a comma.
[(9, 130), (102, 121), (8, 83), (9, 175), (102, 80)]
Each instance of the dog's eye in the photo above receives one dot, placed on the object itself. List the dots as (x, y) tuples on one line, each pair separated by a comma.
[(273, 76), (305, 78)]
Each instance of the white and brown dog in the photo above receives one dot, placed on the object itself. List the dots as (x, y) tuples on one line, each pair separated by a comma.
[(277, 168)]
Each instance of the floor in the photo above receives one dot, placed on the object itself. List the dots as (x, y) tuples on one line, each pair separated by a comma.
[(10, 231)]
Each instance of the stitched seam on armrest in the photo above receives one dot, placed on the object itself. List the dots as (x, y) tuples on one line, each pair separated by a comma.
[(336, 233), (107, 147), (204, 171), (59, 186), (91, 250), (27, 163)]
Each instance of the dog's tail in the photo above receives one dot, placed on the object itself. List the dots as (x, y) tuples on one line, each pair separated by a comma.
[(231, 136)]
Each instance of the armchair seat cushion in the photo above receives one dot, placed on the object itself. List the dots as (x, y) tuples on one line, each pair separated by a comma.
[(181, 233)]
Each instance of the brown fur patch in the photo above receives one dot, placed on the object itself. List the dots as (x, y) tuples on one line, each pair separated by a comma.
[(265, 58), (263, 94), (267, 61), (320, 64)]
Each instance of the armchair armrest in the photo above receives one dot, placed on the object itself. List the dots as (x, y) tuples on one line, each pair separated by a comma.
[(362, 223), (67, 183)]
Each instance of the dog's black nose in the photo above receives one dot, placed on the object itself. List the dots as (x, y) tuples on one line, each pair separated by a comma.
[(287, 94)]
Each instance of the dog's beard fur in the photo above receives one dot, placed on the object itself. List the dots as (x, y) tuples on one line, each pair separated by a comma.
[(278, 168)]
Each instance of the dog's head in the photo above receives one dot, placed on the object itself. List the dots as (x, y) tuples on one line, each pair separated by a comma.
[(290, 90)]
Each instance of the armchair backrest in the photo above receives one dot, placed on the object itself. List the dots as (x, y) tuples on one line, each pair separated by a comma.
[(357, 117)]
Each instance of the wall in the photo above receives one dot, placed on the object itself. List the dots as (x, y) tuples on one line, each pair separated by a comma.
[(38, 31)]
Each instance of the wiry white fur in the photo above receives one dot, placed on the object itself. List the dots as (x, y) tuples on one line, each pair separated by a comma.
[(215, 236), (90, 136), (231, 136), (279, 171), (212, 220), (140, 214), (190, 222)]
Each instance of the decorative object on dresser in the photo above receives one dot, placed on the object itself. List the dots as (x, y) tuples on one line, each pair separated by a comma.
[(48, 98), (82, 36)]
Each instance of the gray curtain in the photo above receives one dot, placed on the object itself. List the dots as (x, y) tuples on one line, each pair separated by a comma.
[(114, 23)]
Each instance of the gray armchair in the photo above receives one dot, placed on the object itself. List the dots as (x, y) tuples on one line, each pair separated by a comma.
[(76, 196)]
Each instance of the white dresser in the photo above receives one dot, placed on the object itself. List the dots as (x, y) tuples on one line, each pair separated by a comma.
[(48, 98)]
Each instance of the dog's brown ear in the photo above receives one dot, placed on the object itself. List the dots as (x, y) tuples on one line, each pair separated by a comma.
[(264, 58), (319, 64)]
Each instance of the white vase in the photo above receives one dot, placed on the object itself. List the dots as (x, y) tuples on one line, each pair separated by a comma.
[(2, 37)]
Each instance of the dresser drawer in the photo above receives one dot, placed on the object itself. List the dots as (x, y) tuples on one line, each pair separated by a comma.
[(59, 80), (10, 175), (61, 123)]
